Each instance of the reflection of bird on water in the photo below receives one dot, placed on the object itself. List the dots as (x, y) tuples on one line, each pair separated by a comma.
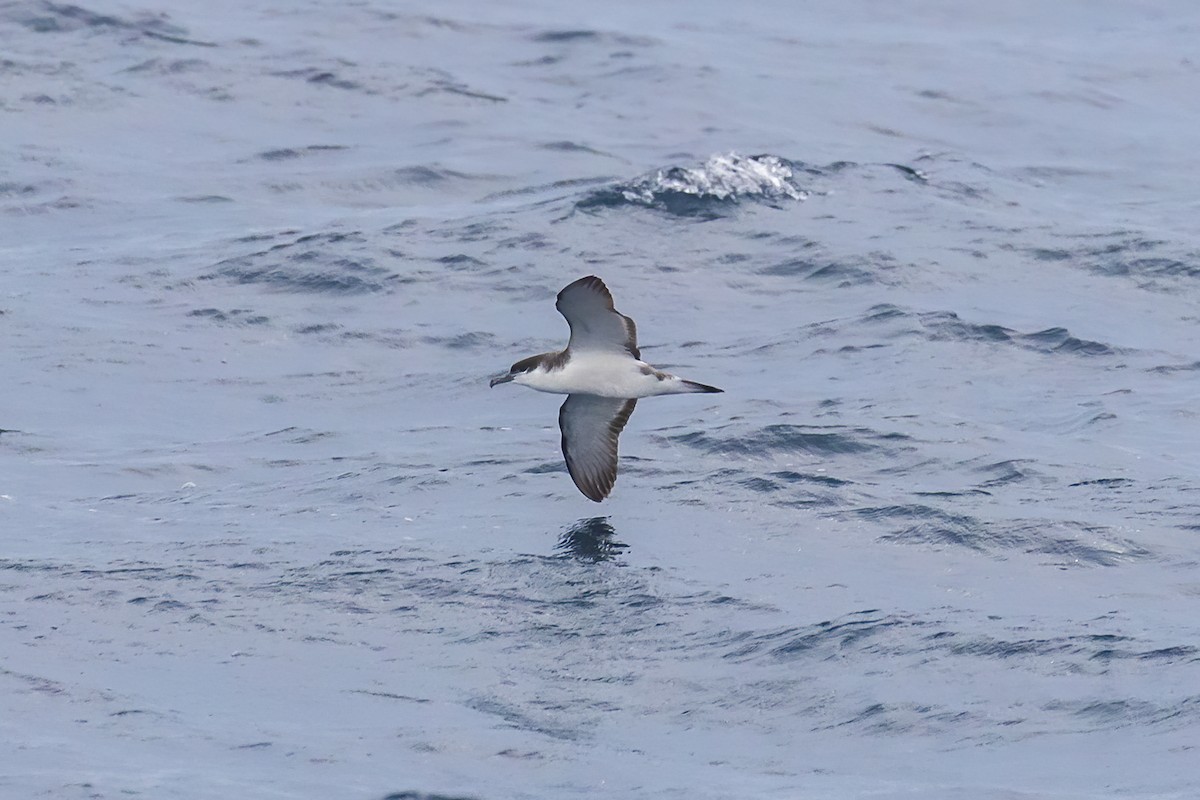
[(591, 540)]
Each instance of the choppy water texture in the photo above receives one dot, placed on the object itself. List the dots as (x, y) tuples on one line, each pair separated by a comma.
[(267, 532)]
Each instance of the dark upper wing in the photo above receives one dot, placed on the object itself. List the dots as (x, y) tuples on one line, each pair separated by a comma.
[(595, 324), (590, 426)]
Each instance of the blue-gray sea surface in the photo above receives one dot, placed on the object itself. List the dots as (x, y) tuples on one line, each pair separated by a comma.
[(267, 533)]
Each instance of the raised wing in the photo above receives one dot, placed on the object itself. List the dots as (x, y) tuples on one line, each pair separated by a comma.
[(590, 426), (595, 324)]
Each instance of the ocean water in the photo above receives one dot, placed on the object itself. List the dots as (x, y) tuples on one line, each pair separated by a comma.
[(267, 533)]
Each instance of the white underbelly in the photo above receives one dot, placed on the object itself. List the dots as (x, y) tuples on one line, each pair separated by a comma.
[(602, 374)]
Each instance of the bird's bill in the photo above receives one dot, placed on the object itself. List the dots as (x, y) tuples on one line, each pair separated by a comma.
[(503, 377)]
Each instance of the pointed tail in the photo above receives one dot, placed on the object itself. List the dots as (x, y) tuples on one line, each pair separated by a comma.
[(692, 386)]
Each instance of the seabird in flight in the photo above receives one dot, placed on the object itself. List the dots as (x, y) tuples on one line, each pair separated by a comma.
[(603, 376)]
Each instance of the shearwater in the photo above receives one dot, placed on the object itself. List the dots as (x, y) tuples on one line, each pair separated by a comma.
[(602, 373)]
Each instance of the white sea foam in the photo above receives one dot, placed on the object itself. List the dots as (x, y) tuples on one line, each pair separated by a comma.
[(727, 176)]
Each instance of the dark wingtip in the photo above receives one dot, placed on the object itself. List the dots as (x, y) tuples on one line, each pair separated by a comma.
[(592, 493), (591, 282), (702, 387)]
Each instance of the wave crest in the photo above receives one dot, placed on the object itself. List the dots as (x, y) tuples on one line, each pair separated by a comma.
[(723, 178)]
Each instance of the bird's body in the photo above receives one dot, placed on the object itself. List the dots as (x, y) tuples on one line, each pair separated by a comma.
[(603, 374)]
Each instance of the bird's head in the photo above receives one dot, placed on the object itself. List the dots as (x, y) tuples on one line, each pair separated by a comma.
[(517, 371)]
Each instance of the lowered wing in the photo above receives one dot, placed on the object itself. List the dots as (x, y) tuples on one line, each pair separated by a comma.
[(590, 426)]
